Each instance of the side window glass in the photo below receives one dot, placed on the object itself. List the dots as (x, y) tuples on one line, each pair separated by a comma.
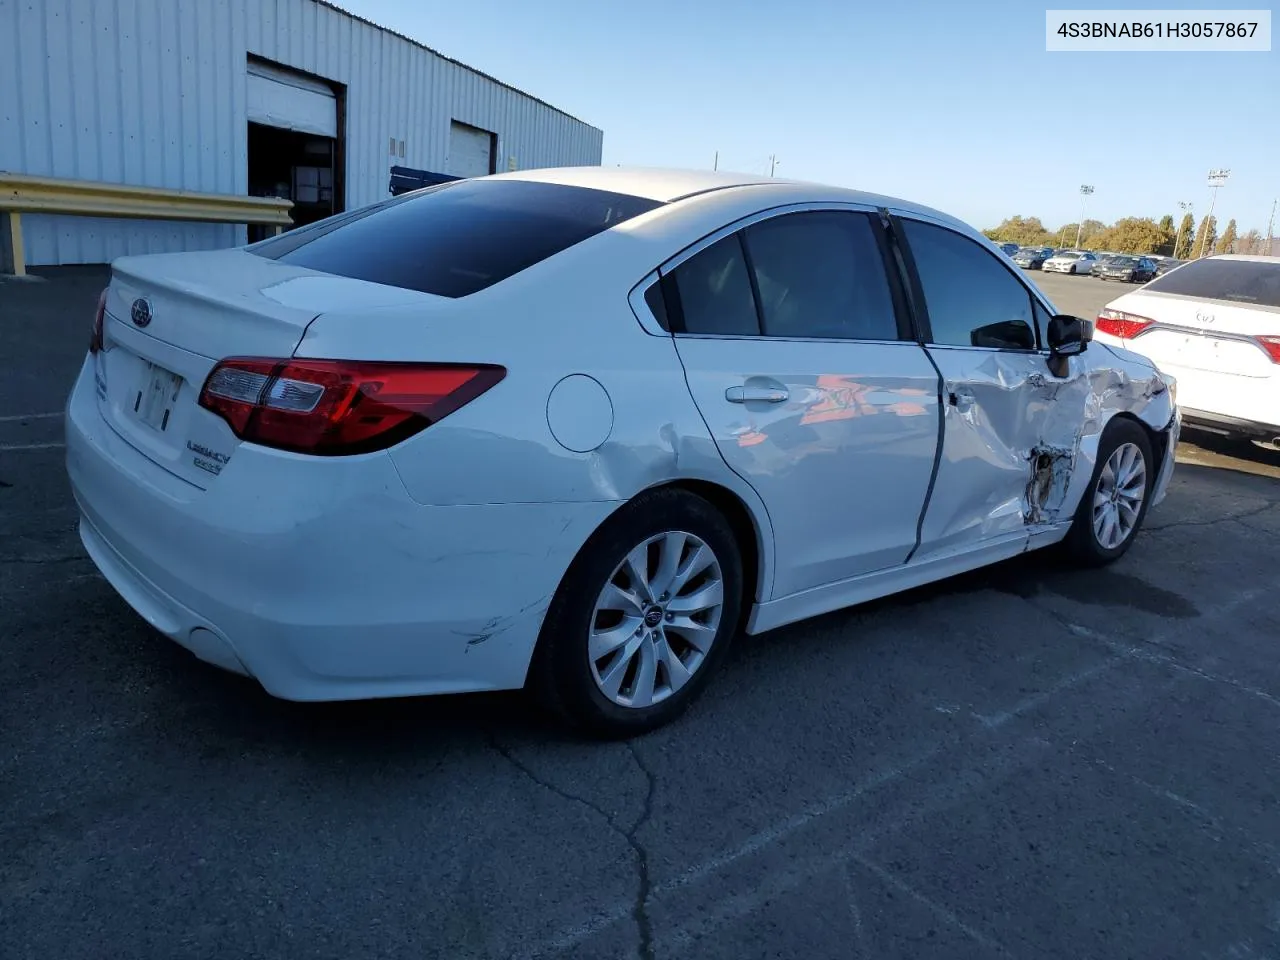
[(714, 291), (821, 275), (657, 305), (973, 300), (1042, 323)]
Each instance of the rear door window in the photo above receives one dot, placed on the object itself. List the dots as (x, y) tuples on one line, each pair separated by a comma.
[(821, 275), (455, 239), (1248, 282)]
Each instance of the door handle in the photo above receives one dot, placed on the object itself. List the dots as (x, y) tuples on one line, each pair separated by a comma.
[(961, 399), (756, 395)]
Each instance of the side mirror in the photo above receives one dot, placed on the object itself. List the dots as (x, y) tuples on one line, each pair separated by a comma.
[(1068, 335), (1006, 335)]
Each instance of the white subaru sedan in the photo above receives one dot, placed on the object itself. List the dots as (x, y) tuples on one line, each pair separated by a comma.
[(1214, 325), (575, 429)]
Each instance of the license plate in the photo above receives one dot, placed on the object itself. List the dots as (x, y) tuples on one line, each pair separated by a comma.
[(156, 396)]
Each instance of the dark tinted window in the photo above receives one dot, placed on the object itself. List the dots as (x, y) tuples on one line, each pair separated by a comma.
[(972, 298), (1241, 281), (714, 291), (657, 305), (455, 239), (821, 274)]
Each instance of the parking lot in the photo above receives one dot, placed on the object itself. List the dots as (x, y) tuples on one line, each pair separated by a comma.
[(1028, 761)]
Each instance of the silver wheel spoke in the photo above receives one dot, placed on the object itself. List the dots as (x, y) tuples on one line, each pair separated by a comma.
[(637, 564), (669, 555), (1128, 512), (646, 676), (704, 598), (611, 681), (697, 635), (677, 673), (700, 560), (604, 642), (624, 601)]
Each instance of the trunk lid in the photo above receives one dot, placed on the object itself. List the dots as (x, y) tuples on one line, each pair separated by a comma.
[(1215, 336), (193, 310)]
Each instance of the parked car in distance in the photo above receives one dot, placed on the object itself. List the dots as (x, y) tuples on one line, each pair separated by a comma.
[(1126, 268), (575, 429), (1214, 325), (1032, 258), (1165, 264), (1070, 261), (1100, 263), (1009, 248)]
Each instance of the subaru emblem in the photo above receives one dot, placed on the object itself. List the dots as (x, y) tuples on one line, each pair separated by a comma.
[(141, 312)]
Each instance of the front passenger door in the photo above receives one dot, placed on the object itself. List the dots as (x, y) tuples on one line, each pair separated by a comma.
[(1001, 402)]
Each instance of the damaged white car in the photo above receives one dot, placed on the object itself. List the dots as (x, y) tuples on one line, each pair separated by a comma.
[(575, 429)]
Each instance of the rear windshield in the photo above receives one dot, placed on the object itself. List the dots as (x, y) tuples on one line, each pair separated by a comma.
[(1240, 281), (456, 238)]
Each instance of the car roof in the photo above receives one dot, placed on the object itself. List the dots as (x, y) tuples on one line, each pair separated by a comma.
[(669, 185)]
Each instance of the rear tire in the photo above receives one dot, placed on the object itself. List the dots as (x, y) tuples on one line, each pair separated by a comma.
[(618, 656), (1114, 506)]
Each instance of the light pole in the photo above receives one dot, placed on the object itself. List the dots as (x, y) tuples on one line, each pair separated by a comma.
[(1085, 191), (1216, 179), (1271, 225), (1177, 240), (773, 163)]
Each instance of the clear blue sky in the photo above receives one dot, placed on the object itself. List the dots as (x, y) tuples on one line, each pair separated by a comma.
[(950, 103)]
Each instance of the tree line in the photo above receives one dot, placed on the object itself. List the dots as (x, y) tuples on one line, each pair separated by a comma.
[(1141, 235)]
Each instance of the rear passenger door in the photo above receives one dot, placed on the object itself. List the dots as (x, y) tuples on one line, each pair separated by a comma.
[(796, 350)]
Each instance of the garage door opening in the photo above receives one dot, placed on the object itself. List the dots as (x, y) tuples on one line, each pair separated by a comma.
[(294, 143)]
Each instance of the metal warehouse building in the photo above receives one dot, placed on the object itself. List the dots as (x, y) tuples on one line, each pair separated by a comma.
[(284, 98)]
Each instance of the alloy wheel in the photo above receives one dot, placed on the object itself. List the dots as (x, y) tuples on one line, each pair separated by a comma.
[(655, 619), (1118, 496)]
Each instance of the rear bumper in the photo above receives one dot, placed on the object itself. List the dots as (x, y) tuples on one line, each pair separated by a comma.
[(1230, 426), (1226, 403), (322, 579)]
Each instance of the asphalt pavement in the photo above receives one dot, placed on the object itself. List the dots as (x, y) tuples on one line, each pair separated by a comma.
[(1028, 761)]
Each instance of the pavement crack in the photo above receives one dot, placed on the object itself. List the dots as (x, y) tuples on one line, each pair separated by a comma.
[(644, 885), (644, 923), (1247, 515)]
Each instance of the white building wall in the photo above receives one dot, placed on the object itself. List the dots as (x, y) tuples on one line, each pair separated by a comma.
[(152, 92)]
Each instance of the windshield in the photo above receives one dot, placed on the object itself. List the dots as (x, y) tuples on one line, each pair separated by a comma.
[(1122, 261), (1238, 281), (457, 238)]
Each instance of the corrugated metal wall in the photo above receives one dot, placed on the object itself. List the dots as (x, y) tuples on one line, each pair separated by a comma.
[(152, 92)]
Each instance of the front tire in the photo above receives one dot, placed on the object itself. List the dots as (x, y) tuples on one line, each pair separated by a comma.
[(1115, 504), (643, 617)]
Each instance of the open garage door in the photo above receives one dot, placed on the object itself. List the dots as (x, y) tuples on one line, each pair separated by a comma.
[(470, 151), (295, 145), (290, 101)]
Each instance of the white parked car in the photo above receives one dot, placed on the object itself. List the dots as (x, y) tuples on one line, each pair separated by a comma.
[(577, 428), (1214, 325), (1070, 261)]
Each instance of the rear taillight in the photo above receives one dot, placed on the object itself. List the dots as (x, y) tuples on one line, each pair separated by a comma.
[(338, 407), (95, 338), (1272, 346), (1126, 326)]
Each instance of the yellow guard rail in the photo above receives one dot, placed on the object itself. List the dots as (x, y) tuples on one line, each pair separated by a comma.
[(22, 194)]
